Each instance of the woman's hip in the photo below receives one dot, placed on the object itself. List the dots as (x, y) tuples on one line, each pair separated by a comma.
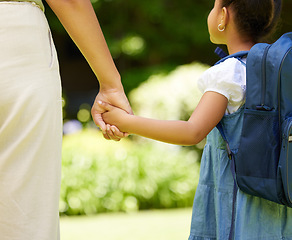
[(25, 37)]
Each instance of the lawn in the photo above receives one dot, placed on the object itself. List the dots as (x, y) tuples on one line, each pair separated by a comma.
[(143, 225)]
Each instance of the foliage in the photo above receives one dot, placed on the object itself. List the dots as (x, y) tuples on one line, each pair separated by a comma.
[(145, 33), (171, 96), (101, 176), (167, 28), (142, 35), (134, 77)]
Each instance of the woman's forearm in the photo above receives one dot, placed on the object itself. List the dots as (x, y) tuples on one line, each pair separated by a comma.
[(80, 21)]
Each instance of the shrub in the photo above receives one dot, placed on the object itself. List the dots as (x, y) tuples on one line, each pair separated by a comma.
[(171, 96), (102, 176)]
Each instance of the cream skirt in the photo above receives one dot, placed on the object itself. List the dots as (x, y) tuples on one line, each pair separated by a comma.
[(30, 125)]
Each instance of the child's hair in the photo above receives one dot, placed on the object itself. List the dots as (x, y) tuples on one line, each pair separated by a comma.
[(257, 19)]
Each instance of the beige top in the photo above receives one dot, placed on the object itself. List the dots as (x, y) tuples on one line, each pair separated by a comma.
[(37, 2)]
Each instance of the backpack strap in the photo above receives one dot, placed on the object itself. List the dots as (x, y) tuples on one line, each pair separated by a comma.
[(239, 56), (235, 187), (220, 128), (220, 52)]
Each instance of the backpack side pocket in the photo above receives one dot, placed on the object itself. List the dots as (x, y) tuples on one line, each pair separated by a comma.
[(285, 163), (256, 161)]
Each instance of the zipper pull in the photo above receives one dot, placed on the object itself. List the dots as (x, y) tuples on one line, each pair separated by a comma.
[(263, 108)]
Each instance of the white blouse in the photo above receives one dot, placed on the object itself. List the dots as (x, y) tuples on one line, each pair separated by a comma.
[(227, 78)]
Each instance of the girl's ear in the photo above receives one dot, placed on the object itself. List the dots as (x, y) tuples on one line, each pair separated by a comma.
[(224, 17)]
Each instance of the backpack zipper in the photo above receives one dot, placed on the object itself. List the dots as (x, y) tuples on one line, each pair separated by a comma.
[(279, 88), (289, 137), (263, 107), (281, 65)]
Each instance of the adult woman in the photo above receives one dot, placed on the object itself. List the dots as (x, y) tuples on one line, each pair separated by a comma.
[(31, 107)]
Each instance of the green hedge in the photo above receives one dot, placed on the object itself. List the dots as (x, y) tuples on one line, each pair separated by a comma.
[(136, 173), (102, 176), (169, 96)]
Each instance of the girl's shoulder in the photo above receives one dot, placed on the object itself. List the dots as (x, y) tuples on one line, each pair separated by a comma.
[(228, 66), (227, 78), (232, 69)]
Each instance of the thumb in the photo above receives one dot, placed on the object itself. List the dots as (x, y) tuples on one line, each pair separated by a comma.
[(105, 106)]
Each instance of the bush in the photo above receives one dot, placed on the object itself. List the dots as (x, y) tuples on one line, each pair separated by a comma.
[(171, 96), (102, 176)]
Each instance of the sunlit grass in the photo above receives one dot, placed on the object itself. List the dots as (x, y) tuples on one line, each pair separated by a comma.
[(144, 225)]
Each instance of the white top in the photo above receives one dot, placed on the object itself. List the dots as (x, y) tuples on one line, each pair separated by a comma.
[(227, 78)]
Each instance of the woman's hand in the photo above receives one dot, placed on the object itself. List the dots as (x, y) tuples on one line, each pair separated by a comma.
[(109, 97), (81, 23), (114, 116)]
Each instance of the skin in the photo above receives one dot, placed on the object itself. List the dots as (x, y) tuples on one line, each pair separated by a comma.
[(230, 37), (211, 107), (80, 21)]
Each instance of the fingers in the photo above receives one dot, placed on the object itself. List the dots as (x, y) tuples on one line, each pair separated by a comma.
[(117, 133), (106, 136), (96, 112), (99, 122), (104, 105), (115, 97), (113, 133), (109, 132)]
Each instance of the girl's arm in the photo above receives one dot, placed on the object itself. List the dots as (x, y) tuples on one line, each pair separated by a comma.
[(80, 21), (207, 114)]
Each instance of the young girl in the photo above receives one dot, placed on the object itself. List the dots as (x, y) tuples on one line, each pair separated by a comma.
[(239, 24)]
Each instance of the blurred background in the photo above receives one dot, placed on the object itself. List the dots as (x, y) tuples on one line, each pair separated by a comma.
[(160, 47)]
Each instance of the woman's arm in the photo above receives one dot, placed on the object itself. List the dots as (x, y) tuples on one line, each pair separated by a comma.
[(80, 21), (207, 114)]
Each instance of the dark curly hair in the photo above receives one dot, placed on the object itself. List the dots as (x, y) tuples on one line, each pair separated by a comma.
[(257, 19)]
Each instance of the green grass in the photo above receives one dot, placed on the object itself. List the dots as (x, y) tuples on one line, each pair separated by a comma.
[(143, 225)]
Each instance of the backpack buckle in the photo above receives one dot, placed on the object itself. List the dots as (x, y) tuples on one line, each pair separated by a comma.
[(229, 152)]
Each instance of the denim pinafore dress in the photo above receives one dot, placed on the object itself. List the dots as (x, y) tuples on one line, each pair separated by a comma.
[(255, 218)]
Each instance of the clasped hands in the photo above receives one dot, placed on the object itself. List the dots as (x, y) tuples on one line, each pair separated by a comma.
[(110, 105)]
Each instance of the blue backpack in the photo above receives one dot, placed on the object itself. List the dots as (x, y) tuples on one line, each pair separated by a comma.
[(263, 164)]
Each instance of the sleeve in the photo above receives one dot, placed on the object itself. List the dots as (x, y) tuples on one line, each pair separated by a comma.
[(227, 78)]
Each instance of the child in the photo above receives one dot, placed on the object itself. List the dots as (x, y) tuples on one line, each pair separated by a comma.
[(239, 24)]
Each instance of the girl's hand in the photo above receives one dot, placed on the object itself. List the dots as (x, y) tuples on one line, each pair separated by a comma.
[(113, 97), (113, 116)]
